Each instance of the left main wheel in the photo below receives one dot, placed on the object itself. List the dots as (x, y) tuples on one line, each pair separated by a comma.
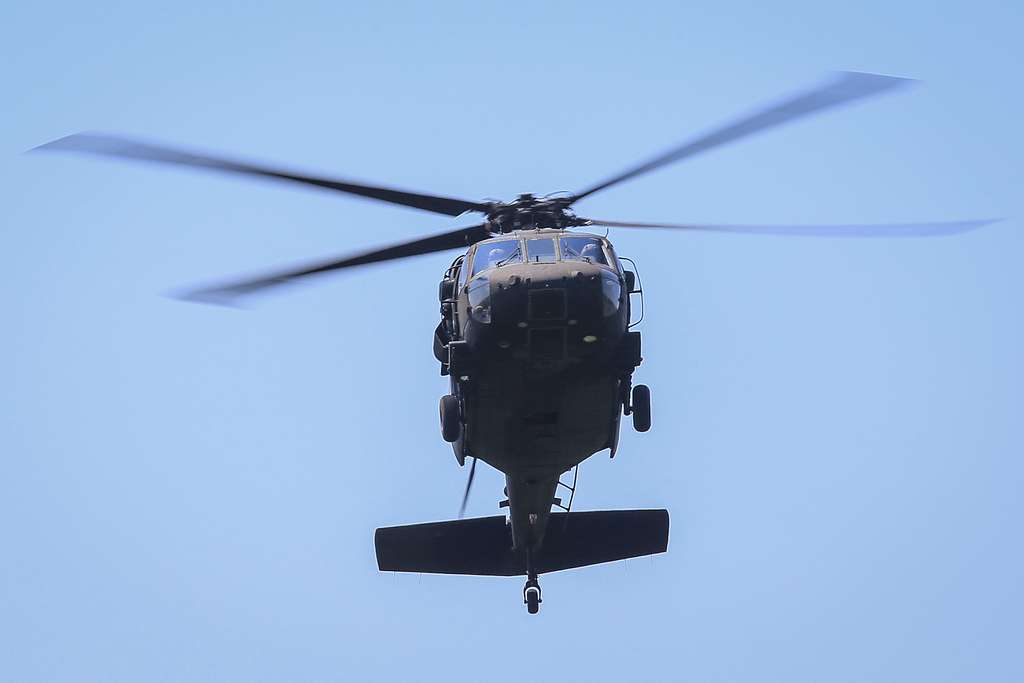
[(451, 425)]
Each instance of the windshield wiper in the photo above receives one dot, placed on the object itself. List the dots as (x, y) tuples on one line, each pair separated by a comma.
[(506, 261)]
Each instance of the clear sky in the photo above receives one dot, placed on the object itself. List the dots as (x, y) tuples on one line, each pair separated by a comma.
[(188, 493)]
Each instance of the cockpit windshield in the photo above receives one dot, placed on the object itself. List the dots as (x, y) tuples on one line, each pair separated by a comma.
[(495, 254), (583, 249), (540, 250)]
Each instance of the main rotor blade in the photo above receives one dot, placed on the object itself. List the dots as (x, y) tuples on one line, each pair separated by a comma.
[(877, 230), (469, 485), (113, 146), (225, 293), (848, 86)]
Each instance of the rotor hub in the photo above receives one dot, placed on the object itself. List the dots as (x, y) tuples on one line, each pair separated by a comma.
[(528, 212)]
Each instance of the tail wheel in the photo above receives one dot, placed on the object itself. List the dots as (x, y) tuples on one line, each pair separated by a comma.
[(531, 595), (451, 425), (641, 407), (532, 600)]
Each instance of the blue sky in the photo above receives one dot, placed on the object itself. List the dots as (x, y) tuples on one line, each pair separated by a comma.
[(189, 492)]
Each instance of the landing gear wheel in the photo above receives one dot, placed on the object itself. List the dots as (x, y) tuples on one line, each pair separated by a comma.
[(641, 408), (451, 425), (531, 596), (532, 601)]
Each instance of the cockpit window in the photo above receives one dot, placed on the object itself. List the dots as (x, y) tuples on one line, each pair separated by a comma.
[(583, 249), (540, 250), (463, 275), (495, 254)]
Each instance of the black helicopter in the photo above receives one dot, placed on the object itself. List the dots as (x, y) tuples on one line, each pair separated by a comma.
[(536, 339)]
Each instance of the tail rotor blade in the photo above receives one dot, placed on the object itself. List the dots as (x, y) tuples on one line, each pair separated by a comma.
[(469, 485)]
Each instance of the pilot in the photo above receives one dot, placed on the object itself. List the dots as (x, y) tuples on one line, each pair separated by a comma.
[(496, 255), (593, 254)]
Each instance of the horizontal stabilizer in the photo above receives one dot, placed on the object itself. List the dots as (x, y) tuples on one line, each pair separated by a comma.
[(483, 546)]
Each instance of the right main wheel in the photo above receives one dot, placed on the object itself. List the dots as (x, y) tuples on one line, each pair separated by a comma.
[(641, 408), (451, 425)]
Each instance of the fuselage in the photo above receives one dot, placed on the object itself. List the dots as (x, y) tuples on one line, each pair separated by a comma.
[(540, 357)]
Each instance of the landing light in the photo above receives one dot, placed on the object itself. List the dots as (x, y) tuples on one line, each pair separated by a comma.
[(590, 339)]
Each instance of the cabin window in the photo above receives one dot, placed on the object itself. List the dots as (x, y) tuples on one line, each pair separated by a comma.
[(587, 249), (495, 254), (540, 250)]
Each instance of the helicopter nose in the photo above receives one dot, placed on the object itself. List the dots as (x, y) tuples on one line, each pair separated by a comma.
[(547, 313), (542, 297)]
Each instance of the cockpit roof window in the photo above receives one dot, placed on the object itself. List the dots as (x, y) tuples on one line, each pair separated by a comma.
[(496, 254)]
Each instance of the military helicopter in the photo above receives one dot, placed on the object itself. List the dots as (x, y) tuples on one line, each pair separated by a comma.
[(536, 338)]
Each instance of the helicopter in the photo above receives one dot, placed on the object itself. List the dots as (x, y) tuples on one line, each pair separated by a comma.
[(537, 341)]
